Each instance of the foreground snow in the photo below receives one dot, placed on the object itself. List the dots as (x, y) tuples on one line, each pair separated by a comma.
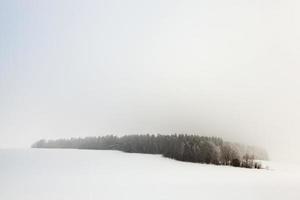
[(40, 174)]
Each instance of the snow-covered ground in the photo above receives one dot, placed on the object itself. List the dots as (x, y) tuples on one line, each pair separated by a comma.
[(52, 174)]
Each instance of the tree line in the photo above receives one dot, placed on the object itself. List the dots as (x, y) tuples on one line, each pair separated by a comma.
[(182, 147)]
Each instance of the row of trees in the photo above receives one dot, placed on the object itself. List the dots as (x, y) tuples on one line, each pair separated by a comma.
[(191, 148)]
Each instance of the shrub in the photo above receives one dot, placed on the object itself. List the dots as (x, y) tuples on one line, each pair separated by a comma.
[(236, 162)]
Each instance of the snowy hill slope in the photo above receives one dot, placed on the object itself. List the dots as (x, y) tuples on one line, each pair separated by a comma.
[(54, 174)]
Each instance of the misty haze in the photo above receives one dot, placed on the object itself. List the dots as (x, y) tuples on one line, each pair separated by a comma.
[(149, 99)]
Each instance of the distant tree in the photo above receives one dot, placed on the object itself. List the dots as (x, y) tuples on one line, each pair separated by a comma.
[(190, 148), (228, 153), (248, 161)]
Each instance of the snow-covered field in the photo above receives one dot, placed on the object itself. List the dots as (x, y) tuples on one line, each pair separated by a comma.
[(41, 174)]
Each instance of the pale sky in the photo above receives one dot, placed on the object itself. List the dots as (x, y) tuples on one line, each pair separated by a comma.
[(86, 68)]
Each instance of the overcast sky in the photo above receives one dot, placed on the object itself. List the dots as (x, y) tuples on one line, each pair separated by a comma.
[(83, 68)]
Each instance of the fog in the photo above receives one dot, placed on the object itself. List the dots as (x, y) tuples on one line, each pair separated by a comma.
[(221, 68)]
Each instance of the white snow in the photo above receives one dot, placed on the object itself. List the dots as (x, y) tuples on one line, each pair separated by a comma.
[(52, 174)]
